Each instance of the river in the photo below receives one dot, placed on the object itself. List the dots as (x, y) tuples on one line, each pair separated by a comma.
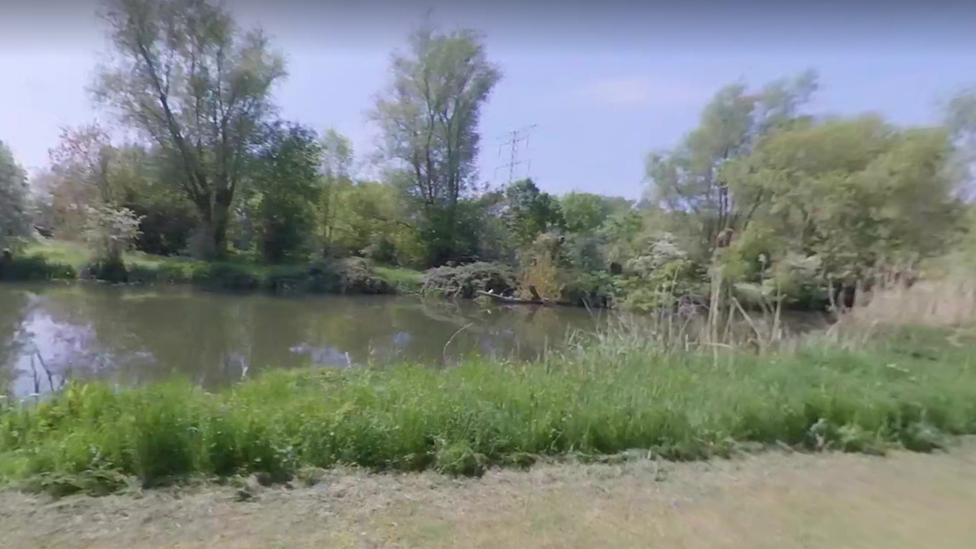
[(131, 336)]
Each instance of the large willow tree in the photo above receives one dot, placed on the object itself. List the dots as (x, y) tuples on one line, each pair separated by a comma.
[(188, 79), (429, 120)]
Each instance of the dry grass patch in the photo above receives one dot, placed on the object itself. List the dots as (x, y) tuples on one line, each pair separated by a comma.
[(771, 500)]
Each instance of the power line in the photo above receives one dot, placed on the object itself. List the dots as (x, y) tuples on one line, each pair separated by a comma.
[(514, 139)]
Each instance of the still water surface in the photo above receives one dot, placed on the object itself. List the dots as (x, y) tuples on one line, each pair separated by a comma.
[(134, 336)]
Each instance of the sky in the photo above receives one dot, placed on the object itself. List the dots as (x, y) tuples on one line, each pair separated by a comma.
[(603, 83)]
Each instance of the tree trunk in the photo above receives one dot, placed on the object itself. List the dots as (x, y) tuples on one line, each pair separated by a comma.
[(211, 239)]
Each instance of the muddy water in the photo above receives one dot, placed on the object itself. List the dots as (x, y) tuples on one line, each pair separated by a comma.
[(49, 333)]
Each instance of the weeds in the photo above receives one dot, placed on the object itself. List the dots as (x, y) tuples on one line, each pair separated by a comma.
[(35, 267), (406, 281), (616, 394)]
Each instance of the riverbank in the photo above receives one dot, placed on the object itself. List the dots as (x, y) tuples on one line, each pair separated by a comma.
[(66, 261), (913, 388), (809, 501)]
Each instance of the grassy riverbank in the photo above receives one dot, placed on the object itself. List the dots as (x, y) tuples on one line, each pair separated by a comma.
[(912, 387), (62, 260)]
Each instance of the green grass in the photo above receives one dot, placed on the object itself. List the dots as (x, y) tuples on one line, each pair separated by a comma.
[(76, 255), (912, 390), (406, 280), (42, 257)]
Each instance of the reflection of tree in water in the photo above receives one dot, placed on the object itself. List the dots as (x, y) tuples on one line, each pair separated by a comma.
[(13, 311), (142, 336), (508, 331), (137, 336)]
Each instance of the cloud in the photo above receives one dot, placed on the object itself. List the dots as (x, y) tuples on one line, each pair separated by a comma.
[(642, 91)]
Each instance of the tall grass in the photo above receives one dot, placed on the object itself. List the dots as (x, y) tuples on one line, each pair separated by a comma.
[(617, 393), (407, 281)]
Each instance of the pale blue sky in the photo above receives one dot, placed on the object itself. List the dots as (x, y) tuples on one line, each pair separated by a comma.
[(604, 87)]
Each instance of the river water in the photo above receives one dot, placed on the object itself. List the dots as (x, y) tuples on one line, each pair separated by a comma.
[(131, 336)]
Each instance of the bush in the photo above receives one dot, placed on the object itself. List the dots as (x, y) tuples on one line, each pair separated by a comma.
[(158, 274), (286, 278), (108, 270), (34, 267), (109, 232), (334, 276), (381, 250), (588, 289), (164, 230), (226, 276), (467, 280)]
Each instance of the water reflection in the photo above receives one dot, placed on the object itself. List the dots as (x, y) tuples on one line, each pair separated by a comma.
[(134, 336)]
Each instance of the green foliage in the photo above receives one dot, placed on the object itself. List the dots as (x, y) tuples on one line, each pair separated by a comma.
[(168, 218), (530, 212), (686, 178), (110, 232), (588, 289), (404, 280), (854, 193), (187, 78), (334, 276), (620, 232), (34, 267), (14, 219), (108, 270), (162, 273), (615, 395), (166, 224), (226, 276), (284, 188), (428, 118), (368, 214), (584, 212), (659, 277), (541, 274), (584, 252)]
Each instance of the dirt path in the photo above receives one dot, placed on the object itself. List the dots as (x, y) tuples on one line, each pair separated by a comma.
[(782, 501)]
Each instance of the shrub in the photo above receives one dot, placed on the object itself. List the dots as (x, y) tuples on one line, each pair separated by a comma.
[(584, 289), (286, 278), (467, 280), (350, 275), (661, 278), (226, 276), (109, 232), (109, 270), (333, 276), (158, 274), (381, 249), (34, 267)]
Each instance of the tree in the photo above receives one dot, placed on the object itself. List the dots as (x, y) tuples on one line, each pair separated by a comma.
[(79, 177), (686, 179), (858, 194), (368, 214), (143, 179), (429, 121), (190, 81), (530, 212), (961, 120), (337, 157), (285, 180), (14, 218), (584, 213), (83, 159)]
